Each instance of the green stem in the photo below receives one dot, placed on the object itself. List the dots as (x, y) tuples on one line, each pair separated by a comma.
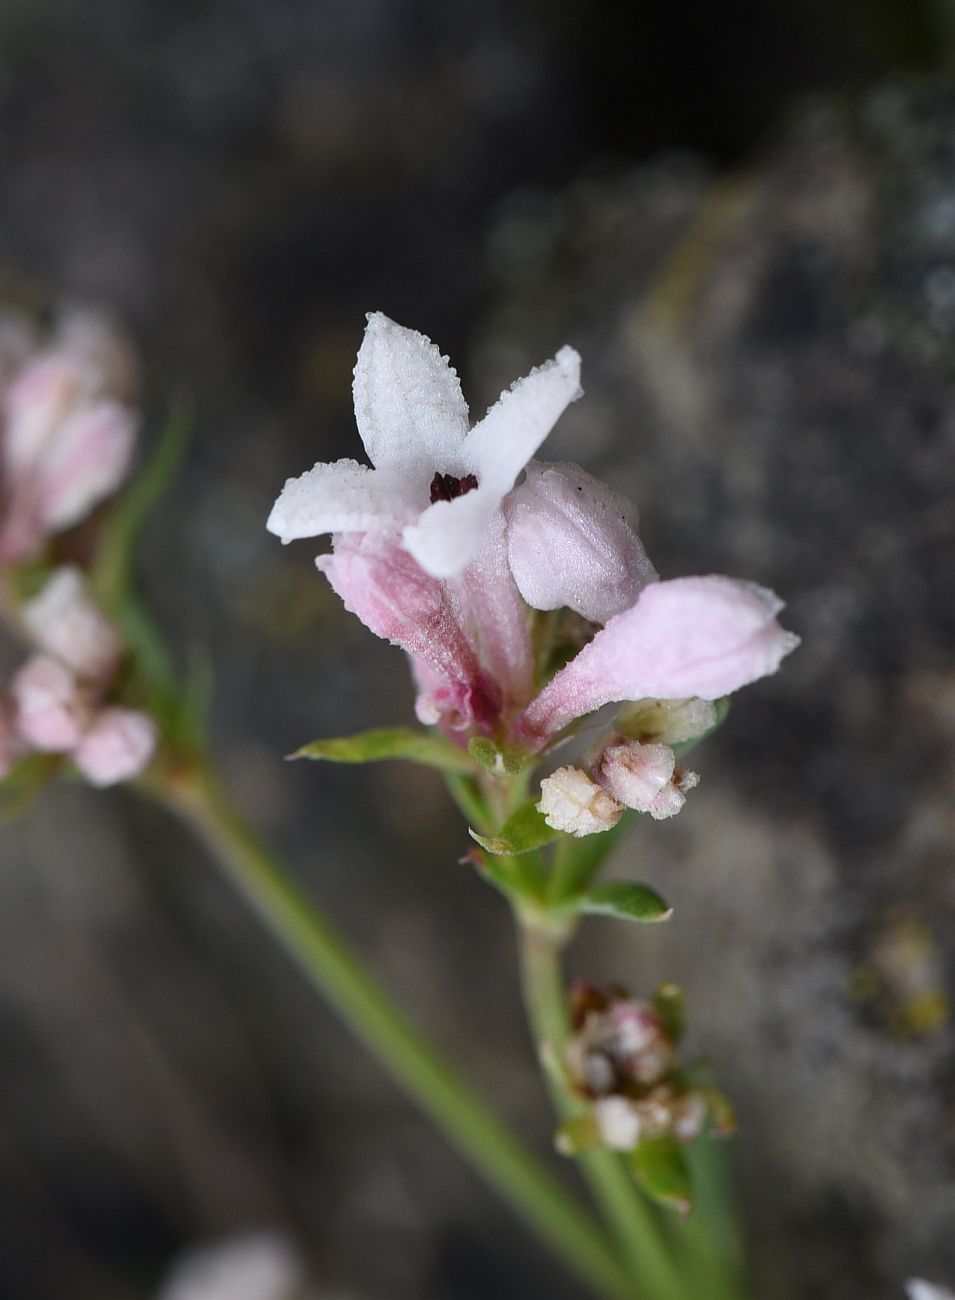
[(309, 939), (625, 1209)]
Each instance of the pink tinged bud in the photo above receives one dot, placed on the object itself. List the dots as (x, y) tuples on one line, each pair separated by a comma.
[(689, 636), (570, 801), (571, 541), (84, 461), (644, 777), (117, 746), (50, 710), (65, 622), (381, 584), (40, 397)]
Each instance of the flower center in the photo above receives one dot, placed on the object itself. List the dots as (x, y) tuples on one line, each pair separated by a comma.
[(445, 487)]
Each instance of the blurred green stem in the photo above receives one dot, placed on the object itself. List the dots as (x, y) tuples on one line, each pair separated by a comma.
[(515, 1173), (631, 1218)]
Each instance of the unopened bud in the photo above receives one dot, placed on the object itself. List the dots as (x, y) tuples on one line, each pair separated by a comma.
[(669, 722), (570, 801), (64, 621), (83, 462), (644, 777), (50, 710), (618, 1121), (117, 746)]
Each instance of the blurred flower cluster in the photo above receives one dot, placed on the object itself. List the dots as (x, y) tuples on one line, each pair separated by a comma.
[(67, 435), (621, 1060)]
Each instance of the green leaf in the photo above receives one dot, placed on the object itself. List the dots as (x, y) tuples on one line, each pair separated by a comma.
[(623, 900), (579, 1133), (579, 860), (390, 742), (661, 1170), (487, 755), (112, 569), (670, 1006), (522, 832)]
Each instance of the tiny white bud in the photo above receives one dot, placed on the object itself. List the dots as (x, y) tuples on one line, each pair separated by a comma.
[(619, 1122), (570, 801), (65, 622), (117, 746), (50, 710)]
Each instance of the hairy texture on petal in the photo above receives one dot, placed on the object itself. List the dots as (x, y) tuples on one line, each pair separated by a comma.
[(83, 461), (497, 617), (690, 636), (65, 622), (500, 446), (449, 534), (50, 711), (343, 497), (571, 541), (410, 411), (570, 801), (118, 745), (395, 599)]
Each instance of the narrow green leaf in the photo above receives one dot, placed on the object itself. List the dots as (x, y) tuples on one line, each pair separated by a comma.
[(522, 832), (390, 742), (112, 568), (661, 1170), (579, 1133), (579, 860), (625, 901)]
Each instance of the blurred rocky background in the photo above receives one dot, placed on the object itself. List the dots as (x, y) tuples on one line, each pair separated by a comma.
[(743, 217)]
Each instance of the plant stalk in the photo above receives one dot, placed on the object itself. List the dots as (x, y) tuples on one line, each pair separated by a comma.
[(506, 1165)]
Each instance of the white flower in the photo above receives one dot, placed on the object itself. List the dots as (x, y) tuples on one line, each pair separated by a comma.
[(263, 1266), (435, 482), (570, 801)]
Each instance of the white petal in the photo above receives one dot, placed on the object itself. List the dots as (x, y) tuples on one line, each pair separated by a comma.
[(449, 534), (409, 408), (498, 448), (341, 497)]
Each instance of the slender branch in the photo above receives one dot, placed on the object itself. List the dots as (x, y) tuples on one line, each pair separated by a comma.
[(482, 1139), (625, 1209)]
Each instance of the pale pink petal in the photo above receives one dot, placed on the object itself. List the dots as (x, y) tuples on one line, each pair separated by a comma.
[(38, 400), (64, 621), (84, 460), (497, 617), (690, 636), (395, 599), (50, 710), (498, 448), (343, 497), (449, 534), (409, 408), (571, 541), (634, 773), (118, 745)]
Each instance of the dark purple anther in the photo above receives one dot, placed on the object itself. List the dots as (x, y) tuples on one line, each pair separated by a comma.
[(445, 487)]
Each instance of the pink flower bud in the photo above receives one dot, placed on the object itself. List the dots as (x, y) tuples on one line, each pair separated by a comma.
[(50, 710), (84, 461), (644, 777), (571, 802), (65, 622), (117, 746), (39, 398), (571, 541)]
